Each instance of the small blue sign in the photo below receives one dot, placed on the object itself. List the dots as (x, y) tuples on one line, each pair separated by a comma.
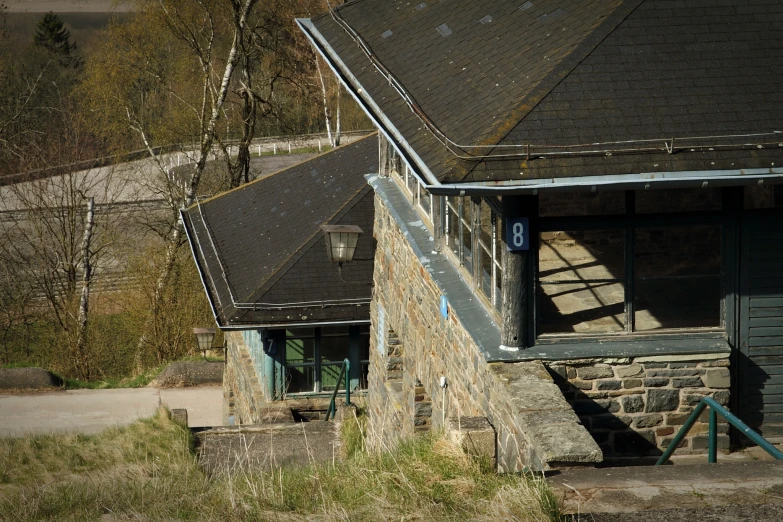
[(444, 307), (518, 233)]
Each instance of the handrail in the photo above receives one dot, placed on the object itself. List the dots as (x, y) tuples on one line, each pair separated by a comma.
[(716, 409), (345, 369)]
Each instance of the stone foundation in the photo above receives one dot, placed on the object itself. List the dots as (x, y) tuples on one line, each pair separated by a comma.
[(634, 407), (413, 347)]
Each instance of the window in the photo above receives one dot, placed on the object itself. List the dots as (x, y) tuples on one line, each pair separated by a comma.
[(676, 277), (313, 357), (472, 235), (646, 272), (419, 197), (581, 285)]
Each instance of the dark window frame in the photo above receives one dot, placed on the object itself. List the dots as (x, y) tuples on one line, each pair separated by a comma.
[(355, 334), (472, 265), (629, 222)]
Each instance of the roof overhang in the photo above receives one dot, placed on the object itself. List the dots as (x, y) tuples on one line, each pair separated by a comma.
[(640, 181), (631, 181)]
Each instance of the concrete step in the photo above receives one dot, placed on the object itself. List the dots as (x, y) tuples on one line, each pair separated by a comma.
[(268, 446), (688, 493)]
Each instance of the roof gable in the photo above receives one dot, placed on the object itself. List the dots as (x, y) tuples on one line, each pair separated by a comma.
[(249, 241), (556, 73)]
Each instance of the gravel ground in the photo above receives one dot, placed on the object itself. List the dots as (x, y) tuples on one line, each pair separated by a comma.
[(739, 513)]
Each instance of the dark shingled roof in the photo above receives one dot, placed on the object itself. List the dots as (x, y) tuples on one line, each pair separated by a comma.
[(261, 251), (560, 73)]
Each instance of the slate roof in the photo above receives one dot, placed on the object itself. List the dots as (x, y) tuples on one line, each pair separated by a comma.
[(261, 252), (554, 74)]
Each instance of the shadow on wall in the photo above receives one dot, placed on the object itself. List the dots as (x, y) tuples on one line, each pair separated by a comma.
[(612, 430)]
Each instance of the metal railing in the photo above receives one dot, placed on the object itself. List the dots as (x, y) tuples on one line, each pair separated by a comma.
[(715, 410), (345, 369)]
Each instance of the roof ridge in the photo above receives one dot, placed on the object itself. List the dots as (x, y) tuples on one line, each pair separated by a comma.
[(547, 84)]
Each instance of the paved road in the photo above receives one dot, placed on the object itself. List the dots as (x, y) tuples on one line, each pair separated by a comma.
[(90, 411)]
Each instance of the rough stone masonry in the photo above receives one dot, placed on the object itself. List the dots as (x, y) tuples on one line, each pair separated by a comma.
[(412, 347)]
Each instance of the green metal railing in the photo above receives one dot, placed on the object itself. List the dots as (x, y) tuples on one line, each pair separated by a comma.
[(345, 369), (715, 410)]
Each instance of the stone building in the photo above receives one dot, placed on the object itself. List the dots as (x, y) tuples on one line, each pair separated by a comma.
[(578, 219), (290, 315)]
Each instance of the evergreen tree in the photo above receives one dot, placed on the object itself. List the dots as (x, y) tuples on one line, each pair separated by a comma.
[(52, 35)]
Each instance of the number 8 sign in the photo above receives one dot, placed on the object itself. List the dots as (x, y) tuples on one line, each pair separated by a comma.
[(517, 233)]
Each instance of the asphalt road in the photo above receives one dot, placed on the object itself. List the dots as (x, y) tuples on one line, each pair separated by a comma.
[(91, 411)]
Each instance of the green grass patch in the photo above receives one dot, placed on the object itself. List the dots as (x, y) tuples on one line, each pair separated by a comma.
[(147, 471), (136, 381)]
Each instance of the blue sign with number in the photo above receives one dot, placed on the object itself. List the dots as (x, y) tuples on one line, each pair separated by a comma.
[(518, 233)]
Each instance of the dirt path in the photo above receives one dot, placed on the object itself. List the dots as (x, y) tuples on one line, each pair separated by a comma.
[(91, 411)]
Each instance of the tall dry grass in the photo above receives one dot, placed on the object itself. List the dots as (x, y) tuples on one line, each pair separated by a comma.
[(147, 471)]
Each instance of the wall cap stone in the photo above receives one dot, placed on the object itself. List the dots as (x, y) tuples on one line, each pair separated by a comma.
[(683, 358), (546, 420)]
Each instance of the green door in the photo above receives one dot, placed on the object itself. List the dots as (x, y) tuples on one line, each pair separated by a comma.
[(760, 364)]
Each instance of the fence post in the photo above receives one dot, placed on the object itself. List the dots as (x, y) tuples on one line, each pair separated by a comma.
[(289, 147), (319, 145), (274, 148)]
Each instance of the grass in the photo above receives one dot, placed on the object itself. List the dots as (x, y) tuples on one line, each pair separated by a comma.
[(136, 381), (147, 471)]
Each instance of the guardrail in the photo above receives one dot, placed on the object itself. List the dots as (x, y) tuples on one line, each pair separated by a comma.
[(715, 410), (345, 369)]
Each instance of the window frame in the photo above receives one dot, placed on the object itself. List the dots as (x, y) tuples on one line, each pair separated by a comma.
[(473, 271), (630, 222), (362, 331), (404, 180)]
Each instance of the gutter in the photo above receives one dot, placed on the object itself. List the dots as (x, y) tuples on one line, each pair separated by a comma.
[(364, 100), (642, 181), (293, 325)]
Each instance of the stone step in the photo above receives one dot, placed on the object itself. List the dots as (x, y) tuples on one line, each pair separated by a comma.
[(673, 492), (268, 446)]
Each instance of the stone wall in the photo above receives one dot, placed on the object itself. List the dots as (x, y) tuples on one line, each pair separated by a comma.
[(634, 407), (243, 396), (535, 426)]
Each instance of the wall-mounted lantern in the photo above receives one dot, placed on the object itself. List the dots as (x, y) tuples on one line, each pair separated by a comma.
[(341, 242), (204, 339)]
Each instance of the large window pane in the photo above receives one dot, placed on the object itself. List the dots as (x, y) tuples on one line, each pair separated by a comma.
[(485, 248), (300, 379), (410, 180), (299, 350), (677, 277), (466, 226), (581, 287), (452, 224)]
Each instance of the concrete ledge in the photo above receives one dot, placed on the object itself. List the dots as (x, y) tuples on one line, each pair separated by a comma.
[(554, 437), (641, 488), (180, 374), (475, 435), (28, 378), (268, 446)]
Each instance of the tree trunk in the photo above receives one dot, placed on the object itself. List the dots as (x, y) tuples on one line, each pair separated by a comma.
[(337, 129), (82, 365), (327, 114)]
